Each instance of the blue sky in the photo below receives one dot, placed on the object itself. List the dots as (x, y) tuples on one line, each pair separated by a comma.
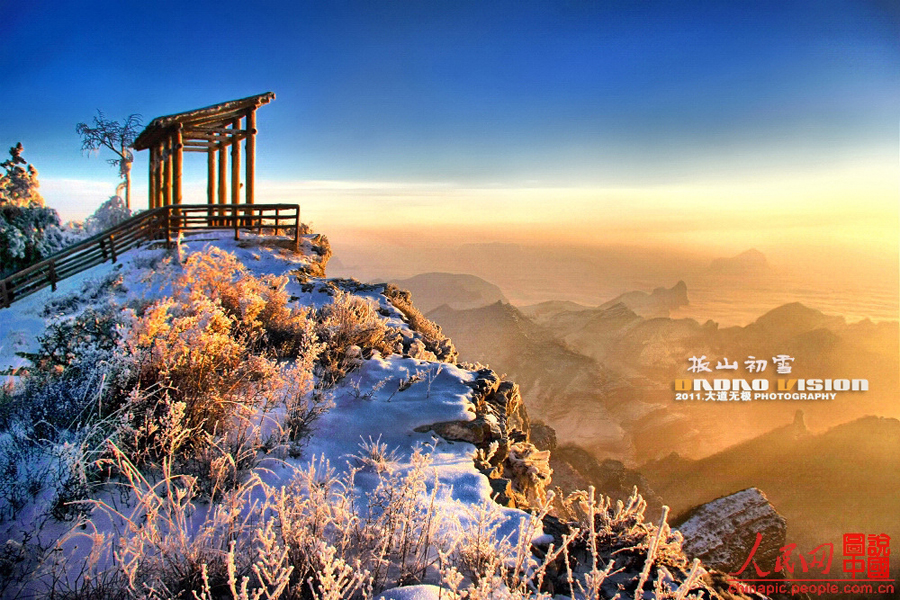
[(568, 94)]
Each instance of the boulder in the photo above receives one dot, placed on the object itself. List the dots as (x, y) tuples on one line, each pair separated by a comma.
[(722, 533)]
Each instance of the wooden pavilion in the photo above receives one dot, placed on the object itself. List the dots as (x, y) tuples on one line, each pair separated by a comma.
[(213, 130)]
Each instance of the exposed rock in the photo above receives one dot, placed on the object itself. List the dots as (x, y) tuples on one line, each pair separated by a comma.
[(318, 249), (500, 431), (543, 436), (501, 491), (430, 333), (416, 349), (576, 469), (722, 533), (477, 431), (529, 471)]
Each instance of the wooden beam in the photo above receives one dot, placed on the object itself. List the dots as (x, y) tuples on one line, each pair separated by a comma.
[(214, 138), (212, 134), (198, 143), (211, 131), (236, 166), (250, 146), (176, 176), (223, 118)]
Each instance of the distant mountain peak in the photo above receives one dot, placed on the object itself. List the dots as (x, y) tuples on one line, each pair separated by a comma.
[(655, 304), (459, 291), (749, 262)]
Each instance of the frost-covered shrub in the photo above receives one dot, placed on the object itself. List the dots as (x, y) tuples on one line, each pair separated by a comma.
[(530, 472), (109, 214), (209, 389), (68, 384), (192, 378), (348, 326), (312, 539), (259, 307), (27, 235)]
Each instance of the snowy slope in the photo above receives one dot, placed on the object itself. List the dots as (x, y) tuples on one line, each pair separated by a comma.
[(369, 405)]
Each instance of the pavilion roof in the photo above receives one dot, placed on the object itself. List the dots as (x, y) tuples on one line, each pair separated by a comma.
[(216, 116)]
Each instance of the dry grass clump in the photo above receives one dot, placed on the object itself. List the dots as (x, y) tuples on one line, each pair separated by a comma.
[(314, 538), (203, 370), (206, 379), (319, 537), (350, 328), (259, 307)]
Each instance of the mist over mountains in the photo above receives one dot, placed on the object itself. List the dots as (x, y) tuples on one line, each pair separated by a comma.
[(825, 485), (603, 376), (729, 289), (458, 291), (751, 262)]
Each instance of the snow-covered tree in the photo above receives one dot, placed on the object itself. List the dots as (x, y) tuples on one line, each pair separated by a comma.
[(29, 231), (19, 182)]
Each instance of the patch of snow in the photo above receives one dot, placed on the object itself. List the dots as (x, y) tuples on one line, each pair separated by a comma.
[(412, 592)]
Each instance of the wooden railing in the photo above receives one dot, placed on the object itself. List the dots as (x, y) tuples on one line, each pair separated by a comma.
[(162, 223)]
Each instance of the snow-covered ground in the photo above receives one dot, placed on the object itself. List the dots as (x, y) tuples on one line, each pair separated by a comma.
[(374, 408)]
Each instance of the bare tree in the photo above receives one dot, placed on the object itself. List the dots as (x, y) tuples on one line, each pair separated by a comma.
[(118, 137)]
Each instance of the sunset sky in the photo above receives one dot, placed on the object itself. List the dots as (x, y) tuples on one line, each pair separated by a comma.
[(721, 124)]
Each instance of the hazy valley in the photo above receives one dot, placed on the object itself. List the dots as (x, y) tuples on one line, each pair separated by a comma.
[(602, 377)]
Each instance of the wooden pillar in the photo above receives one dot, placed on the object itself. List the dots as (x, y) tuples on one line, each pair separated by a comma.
[(236, 164), (177, 161), (250, 146), (151, 198), (210, 183), (167, 173), (158, 199), (223, 173)]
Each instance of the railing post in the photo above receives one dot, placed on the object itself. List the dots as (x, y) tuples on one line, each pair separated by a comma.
[(103, 250), (297, 229), (234, 216), (112, 247), (168, 214), (4, 294), (52, 274)]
